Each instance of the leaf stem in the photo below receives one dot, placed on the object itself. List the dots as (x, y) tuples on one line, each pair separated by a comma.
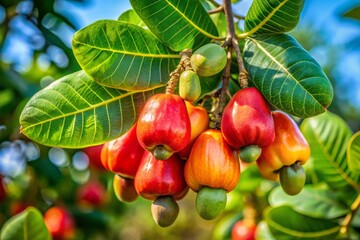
[(181, 67), (350, 216)]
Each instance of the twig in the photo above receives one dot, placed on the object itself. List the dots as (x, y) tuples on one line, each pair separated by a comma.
[(350, 216), (216, 10)]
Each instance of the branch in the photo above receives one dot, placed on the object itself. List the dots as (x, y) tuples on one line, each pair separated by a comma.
[(216, 10), (223, 93), (232, 44), (350, 216), (231, 39)]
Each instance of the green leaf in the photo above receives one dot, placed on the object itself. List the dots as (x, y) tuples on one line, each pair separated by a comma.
[(287, 75), (311, 201), (130, 16), (285, 223), (328, 135), (353, 152), (75, 112), (219, 18), (28, 225), (263, 232), (250, 179), (272, 16), (209, 84), (353, 13), (179, 24), (122, 55)]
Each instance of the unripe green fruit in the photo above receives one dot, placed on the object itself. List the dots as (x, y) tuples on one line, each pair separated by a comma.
[(189, 86), (292, 178), (165, 211), (210, 202), (250, 153), (208, 60)]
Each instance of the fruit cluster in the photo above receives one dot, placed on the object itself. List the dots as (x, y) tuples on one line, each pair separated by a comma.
[(171, 147)]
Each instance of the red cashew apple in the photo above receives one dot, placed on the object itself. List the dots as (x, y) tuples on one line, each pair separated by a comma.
[(17, 207), (91, 194), (163, 182), (59, 222), (160, 178), (164, 126), (247, 123), (282, 160), (243, 230), (94, 153), (123, 155), (212, 170), (2, 190)]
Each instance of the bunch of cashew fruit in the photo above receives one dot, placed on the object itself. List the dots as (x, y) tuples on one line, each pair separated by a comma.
[(172, 148)]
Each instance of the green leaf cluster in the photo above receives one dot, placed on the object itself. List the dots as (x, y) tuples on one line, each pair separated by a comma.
[(125, 61)]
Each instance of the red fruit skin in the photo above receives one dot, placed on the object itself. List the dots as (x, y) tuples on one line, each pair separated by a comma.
[(289, 147), (247, 120), (156, 178), (2, 190), (124, 189), (91, 194), (164, 121), (94, 154), (17, 207), (212, 163), (123, 155), (59, 222), (199, 121), (243, 231)]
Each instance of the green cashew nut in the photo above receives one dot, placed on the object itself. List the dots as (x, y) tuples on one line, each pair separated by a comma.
[(210, 202), (208, 60), (292, 178), (250, 153), (164, 210)]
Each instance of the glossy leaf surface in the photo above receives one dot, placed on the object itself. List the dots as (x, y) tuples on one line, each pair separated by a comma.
[(353, 152), (122, 55), (130, 16), (76, 112), (298, 226), (179, 24), (273, 16), (28, 225), (287, 75), (311, 201), (328, 135)]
